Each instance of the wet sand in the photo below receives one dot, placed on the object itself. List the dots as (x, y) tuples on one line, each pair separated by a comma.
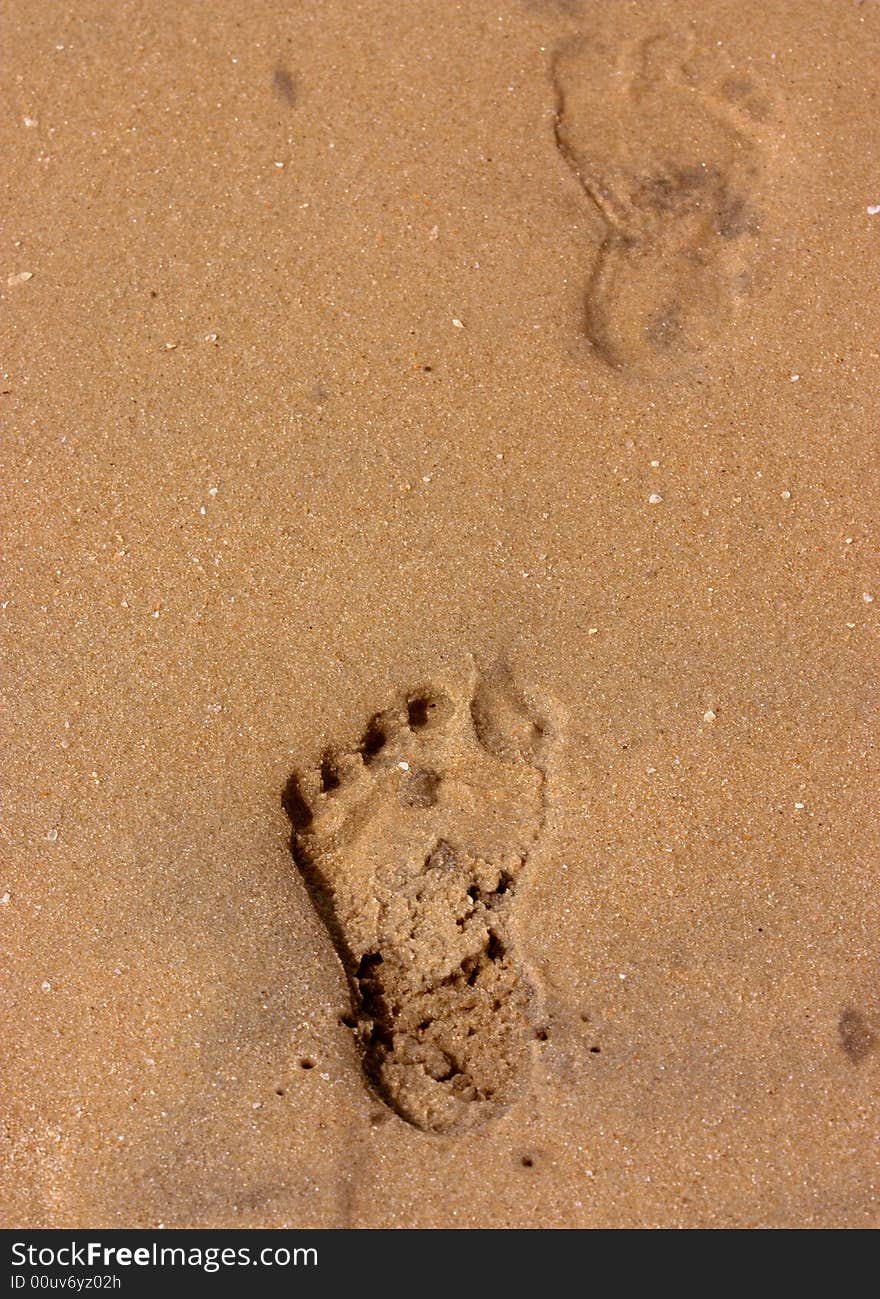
[(519, 359)]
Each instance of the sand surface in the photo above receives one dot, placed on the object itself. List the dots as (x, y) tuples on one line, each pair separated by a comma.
[(470, 412)]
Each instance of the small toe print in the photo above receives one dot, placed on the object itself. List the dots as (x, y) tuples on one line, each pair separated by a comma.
[(425, 709), (329, 771), (375, 738)]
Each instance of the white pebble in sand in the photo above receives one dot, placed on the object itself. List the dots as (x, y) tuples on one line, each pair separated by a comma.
[(655, 499), (46, 986), (52, 835)]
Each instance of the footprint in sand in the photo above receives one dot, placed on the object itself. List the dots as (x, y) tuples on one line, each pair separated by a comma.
[(413, 847), (674, 149)]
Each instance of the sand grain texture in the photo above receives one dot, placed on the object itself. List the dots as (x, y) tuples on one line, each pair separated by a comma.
[(518, 359)]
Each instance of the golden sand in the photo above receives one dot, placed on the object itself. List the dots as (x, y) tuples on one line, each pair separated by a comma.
[(519, 359)]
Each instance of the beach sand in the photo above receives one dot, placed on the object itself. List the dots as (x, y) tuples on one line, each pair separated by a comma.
[(440, 503)]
